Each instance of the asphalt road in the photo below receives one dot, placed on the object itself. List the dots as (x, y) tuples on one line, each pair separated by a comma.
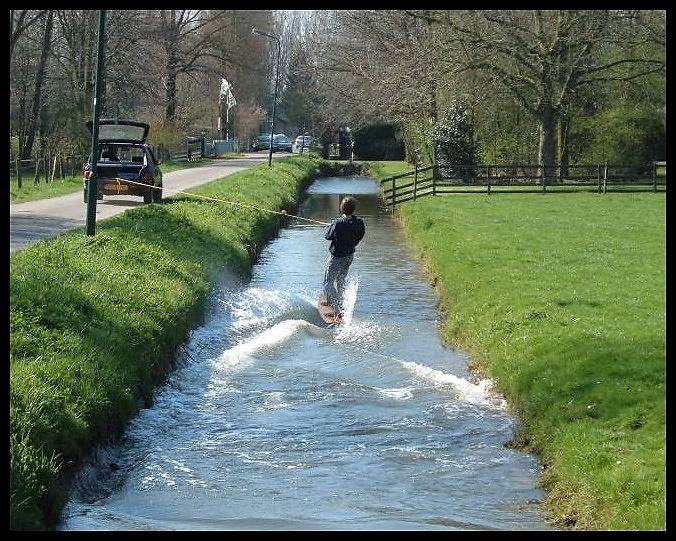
[(36, 220)]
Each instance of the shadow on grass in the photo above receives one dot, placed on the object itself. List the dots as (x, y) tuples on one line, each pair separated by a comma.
[(612, 382), (100, 348), (98, 356)]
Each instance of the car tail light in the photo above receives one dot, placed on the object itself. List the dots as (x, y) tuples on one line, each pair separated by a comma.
[(86, 173), (145, 175)]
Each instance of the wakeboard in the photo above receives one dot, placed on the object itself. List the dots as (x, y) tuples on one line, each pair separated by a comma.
[(326, 311)]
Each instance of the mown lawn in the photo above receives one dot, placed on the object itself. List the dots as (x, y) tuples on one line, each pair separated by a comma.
[(95, 321), (560, 298)]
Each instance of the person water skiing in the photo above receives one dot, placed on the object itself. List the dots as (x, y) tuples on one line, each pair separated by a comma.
[(344, 233)]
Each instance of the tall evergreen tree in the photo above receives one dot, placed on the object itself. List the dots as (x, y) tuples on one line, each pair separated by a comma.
[(298, 107)]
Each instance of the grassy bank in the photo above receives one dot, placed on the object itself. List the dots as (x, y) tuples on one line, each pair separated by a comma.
[(95, 322), (561, 300), (71, 184)]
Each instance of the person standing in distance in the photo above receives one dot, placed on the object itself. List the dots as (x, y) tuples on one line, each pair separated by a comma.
[(344, 233)]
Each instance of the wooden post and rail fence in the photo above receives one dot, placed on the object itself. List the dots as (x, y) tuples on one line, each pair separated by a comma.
[(432, 180)]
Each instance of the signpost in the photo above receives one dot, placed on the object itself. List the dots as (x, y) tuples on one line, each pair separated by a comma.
[(92, 186)]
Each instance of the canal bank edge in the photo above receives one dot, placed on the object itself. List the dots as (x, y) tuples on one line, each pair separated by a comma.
[(95, 322), (601, 440)]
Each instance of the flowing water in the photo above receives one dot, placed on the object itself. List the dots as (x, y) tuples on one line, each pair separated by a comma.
[(275, 422)]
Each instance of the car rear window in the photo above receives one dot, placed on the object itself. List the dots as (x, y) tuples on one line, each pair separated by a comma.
[(122, 154), (121, 132)]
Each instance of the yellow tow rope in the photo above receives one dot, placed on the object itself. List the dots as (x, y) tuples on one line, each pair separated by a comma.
[(281, 213)]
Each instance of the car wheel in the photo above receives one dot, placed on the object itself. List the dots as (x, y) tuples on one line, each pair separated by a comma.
[(85, 195), (148, 196), (157, 195)]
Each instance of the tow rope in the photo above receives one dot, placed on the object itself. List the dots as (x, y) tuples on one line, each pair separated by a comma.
[(281, 213)]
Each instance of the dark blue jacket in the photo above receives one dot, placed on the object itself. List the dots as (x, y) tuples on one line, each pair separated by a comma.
[(344, 233)]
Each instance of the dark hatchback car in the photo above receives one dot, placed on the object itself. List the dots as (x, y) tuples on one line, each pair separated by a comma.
[(262, 142), (124, 155), (281, 142)]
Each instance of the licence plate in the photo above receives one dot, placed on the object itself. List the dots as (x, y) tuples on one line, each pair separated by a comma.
[(121, 187)]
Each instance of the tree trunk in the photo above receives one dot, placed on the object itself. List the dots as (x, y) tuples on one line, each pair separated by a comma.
[(564, 155), (37, 96), (547, 150), (432, 151), (102, 82), (171, 37), (170, 93)]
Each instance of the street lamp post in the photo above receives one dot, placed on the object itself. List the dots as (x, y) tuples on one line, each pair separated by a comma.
[(255, 30), (92, 187)]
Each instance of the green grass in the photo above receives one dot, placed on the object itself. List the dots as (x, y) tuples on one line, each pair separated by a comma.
[(231, 155), (95, 321), (170, 166), (385, 169), (44, 190), (561, 300), (32, 192)]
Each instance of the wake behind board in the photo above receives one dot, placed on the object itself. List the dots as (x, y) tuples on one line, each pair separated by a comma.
[(327, 312)]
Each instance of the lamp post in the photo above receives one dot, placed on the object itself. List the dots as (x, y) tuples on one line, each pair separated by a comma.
[(255, 30), (92, 188)]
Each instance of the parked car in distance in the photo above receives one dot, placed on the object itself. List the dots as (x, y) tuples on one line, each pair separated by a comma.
[(262, 142), (281, 142), (303, 143), (124, 155)]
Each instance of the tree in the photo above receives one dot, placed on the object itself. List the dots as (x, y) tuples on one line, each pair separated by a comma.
[(36, 116), (298, 103), (453, 139), (545, 57), (378, 141), (389, 65), (20, 20), (52, 76), (246, 64), (188, 39)]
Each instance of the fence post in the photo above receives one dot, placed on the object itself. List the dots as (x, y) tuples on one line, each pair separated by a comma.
[(654, 176), (17, 166), (394, 195), (415, 181), (53, 169), (544, 176), (605, 176), (36, 178), (598, 176), (488, 182)]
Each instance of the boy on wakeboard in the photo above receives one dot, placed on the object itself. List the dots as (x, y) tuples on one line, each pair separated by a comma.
[(344, 233)]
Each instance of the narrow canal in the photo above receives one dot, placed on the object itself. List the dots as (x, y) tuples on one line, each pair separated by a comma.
[(274, 422)]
